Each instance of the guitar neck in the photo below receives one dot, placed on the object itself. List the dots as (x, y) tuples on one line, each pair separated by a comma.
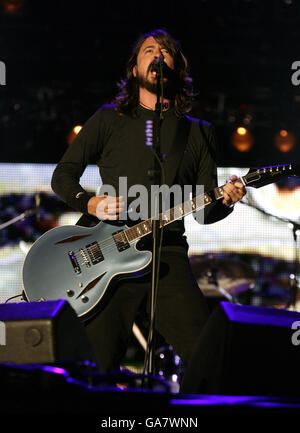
[(256, 178), (186, 208)]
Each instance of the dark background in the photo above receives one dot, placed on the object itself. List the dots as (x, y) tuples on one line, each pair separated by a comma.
[(64, 58)]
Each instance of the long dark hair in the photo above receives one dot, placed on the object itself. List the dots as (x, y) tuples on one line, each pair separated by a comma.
[(127, 99)]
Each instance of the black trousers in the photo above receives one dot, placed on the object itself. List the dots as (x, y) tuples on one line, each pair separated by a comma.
[(180, 315)]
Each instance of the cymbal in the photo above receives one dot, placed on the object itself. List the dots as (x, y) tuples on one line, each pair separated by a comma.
[(218, 276)]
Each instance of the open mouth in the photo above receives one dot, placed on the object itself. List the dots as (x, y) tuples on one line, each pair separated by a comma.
[(151, 72)]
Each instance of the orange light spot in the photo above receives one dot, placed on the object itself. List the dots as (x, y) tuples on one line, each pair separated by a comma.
[(241, 131)]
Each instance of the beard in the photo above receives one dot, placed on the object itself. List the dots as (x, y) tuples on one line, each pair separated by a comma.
[(169, 84)]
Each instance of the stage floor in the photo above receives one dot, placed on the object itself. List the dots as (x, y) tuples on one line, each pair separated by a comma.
[(40, 397)]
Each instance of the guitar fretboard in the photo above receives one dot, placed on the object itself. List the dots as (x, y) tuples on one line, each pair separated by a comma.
[(197, 203), (259, 177)]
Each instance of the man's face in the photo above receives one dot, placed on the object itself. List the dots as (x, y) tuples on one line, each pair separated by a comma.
[(149, 51)]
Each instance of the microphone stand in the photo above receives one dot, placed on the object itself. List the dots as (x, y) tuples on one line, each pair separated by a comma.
[(156, 175)]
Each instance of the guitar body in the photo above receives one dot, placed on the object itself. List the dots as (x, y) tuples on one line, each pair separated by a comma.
[(79, 264)]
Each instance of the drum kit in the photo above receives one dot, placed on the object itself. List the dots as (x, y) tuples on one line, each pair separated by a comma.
[(252, 280), (222, 277)]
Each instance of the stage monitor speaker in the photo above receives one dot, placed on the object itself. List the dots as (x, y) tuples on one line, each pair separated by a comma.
[(246, 350), (42, 332)]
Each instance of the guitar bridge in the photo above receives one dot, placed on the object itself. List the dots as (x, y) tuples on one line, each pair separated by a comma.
[(85, 258)]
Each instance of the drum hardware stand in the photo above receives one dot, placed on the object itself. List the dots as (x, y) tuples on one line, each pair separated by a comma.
[(211, 275), (293, 282), (26, 214), (139, 336)]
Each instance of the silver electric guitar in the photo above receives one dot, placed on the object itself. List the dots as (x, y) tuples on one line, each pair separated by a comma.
[(81, 264)]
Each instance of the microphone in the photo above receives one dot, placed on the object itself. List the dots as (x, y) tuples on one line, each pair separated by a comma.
[(159, 65)]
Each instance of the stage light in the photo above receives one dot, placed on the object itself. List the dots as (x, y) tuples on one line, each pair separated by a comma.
[(284, 140), (12, 6), (283, 133), (242, 139), (72, 134), (77, 128), (241, 130)]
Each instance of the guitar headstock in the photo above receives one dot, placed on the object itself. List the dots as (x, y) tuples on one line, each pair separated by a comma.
[(258, 177)]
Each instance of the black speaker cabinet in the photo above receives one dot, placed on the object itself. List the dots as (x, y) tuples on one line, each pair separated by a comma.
[(246, 350), (42, 332)]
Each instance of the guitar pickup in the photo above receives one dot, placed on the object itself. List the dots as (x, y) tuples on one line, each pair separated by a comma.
[(95, 253), (121, 240), (74, 262)]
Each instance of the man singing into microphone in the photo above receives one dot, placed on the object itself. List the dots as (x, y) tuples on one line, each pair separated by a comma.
[(114, 139)]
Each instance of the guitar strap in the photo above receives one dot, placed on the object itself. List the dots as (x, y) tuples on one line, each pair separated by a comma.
[(171, 164)]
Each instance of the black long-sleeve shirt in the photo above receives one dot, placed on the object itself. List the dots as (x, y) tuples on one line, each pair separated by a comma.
[(116, 143)]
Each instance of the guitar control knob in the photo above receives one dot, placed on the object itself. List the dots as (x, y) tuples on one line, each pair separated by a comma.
[(84, 299), (70, 293)]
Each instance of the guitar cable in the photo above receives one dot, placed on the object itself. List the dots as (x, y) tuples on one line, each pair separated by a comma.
[(13, 297)]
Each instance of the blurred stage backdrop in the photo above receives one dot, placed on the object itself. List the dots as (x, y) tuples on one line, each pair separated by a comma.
[(61, 60)]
